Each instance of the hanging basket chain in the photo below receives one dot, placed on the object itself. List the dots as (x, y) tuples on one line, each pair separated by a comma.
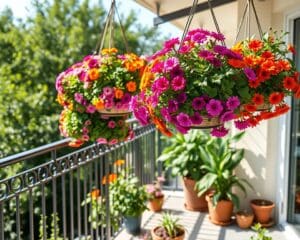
[(123, 32), (257, 20)]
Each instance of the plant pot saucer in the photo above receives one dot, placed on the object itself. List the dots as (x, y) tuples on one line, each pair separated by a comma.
[(222, 223), (203, 209), (268, 224)]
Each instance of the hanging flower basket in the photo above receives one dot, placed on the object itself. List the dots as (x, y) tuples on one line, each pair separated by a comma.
[(208, 122)]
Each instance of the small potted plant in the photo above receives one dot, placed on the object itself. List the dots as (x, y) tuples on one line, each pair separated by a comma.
[(244, 218), (156, 196), (184, 159), (261, 233), (169, 229), (129, 200), (220, 160), (263, 210)]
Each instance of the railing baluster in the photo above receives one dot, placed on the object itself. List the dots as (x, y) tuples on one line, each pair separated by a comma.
[(102, 174), (31, 222), (1, 222), (78, 205), (90, 173), (97, 187), (18, 224), (107, 205), (64, 213), (44, 216), (71, 206), (85, 207)]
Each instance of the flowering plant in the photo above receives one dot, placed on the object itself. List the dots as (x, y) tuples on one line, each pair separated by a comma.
[(271, 75), (154, 190), (98, 85), (186, 84)]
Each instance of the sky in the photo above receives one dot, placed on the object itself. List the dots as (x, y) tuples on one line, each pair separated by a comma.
[(21, 9)]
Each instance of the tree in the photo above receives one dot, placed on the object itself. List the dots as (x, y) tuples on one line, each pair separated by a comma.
[(35, 50)]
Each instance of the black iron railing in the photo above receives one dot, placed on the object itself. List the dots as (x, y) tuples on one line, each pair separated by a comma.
[(45, 201)]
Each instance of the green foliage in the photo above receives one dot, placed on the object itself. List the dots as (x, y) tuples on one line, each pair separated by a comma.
[(261, 233), (55, 231), (183, 154), (220, 160), (171, 225), (128, 198)]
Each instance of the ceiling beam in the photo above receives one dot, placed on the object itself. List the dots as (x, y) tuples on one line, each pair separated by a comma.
[(186, 11)]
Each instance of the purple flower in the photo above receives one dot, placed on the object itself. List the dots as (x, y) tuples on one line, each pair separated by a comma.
[(90, 108), (78, 97), (181, 98), (142, 115), (227, 116), (176, 72), (198, 103), (196, 118), (182, 129), (241, 125), (205, 54), (111, 124), (172, 106), (171, 63), (219, 132), (199, 37), (162, 84), (171, 43), (178, 83), (250, 74), (221, 49), (184, 120), (234, 55), (217, 36), (93, 63), (216, 62), (108, 91), (126, 98), (214, 107), (233, 102), (165, 113)]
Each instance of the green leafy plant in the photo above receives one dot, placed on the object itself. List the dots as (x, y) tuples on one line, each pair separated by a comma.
[(55, 231), (170, 226), (220, 159), (261, 233), (183, 155)]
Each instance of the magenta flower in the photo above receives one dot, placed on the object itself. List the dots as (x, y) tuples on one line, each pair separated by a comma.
[(181, 129), (227, 116), (184, 49), (178, 83), (113, 141), (241, 125), (165, 113), (196, 118), (250, 74), (184, 120), (171, 43), (222, 50), (101, 140), (162, 84), (93, 63), (108, 91), (219, 132), (199, 37), (217, 36), (90, 108), (176, 72), (78, 97), (233, 102), (154, 99), (126, 98), (181, 98), (214, 107), (216, 62), (111, 124), (108, 104), (157, 67), (198, 103), (83, 76), (159, 53), (234, 55), (172, 106), (205, 54), (171, 63), (88, 122), (142, 115)]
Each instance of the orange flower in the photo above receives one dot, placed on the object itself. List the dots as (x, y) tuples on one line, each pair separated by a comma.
[(76, 143), (267, 55), (107, 51), (99, 104), (250, 60), (236, 63), (255, 45), (297, 91), (93, 74), (291, 48), (254, 84), (95, 193), (119, 162), (119, 93), (110, 178), (263, 75), (238, 48), (285, 65), (258, 99), (250, 107), (131, 86), (254, 121), (276, 97), (267, 115), (289, 83), (268, 66)]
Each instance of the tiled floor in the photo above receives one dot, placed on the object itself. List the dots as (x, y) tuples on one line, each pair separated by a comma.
[(197, 224)]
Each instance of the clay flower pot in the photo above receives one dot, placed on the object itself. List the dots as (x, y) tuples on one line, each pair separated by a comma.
[(262, 210), (155, 204), (192, 201), (244, 219), (156, 237), (221, 213)]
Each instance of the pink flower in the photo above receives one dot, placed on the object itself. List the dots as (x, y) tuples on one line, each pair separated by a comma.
[(108, 104), (196, 118), (233, 102), (111, 124), (113, 141), (181, 98), (83, 76), (184, 120), (157, 67), (241, 125), (141, 113), (205, 54), (171, 43), (165, 113), (198, 103), (160, 179), (108, 91), (227, 116), (172, 106), (78, 97), (162, 84), (219, 132), (93, 63), (85, 138), (90, 108), (171, 63), (216, 62), (150, 188), (178, 83), (88, 122), (184, 49), (101, 141), (217, 36), (214, 107)]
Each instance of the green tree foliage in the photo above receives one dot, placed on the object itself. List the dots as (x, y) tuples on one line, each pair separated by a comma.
[(35, 50)]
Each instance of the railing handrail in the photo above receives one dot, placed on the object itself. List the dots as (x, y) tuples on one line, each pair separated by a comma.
[(12, 159)]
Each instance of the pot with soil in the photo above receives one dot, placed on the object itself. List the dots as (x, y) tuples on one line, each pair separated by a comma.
[(155, 204), (244, 218), (262, 210)]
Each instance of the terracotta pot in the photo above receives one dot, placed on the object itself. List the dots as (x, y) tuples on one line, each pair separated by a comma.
[(262, 210), (155, 237), (208, 123), (192, 201), (221, 213), (244, 219), (155, 205)]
